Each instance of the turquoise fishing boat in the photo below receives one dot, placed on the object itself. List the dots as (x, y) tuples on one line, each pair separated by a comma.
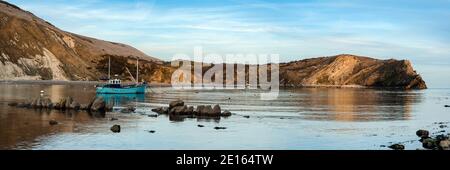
[(115, 86)]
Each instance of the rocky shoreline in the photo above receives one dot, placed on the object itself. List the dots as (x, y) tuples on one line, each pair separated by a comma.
[(97, 104), (430, 141), (178, 107)]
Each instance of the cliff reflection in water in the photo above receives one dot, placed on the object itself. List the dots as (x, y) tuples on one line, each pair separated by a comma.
[(357, 104), (122, 99)]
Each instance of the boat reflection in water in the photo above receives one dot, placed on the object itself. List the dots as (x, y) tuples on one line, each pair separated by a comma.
[(121, 99)]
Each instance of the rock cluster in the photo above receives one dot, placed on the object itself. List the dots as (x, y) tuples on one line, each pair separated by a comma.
[(440, 142), (97, 104), (178, 107)]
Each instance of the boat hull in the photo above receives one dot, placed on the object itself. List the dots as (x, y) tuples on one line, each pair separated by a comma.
[(139, 89)]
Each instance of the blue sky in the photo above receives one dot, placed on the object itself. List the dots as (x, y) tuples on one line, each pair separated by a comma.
[(403, 29)]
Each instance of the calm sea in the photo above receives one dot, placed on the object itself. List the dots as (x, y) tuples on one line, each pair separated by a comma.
[(309, 118)]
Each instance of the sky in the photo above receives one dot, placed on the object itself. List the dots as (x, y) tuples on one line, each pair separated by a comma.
[(403, 29)]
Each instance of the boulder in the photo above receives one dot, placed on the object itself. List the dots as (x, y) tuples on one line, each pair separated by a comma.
[(200, 125), (176, 103), (161, 110), (397, 147), (444, 144), (115, 128), (422, 133), (199, 109), (226, 113), (189, 110), (52, 122), (447, 106), (75, 105), (178, 110), (429, 143), (216, 110), (98, 105)]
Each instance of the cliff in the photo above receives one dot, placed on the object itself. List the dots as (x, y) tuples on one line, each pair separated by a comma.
[(34, 49)]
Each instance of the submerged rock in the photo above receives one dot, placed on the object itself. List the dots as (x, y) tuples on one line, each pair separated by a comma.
[(226, 113), (200, 125), (397, 147), (115, 128)]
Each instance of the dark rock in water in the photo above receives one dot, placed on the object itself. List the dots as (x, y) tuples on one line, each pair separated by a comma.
[(447, 106), (199, 109), (23, 105), (57, 106), (84, 107), (442, 126), (216, 110), (429, 143), (13, 104), (397, 147), (200, 125), (52, 122), (129, 109), (218, 128), (178, 110), (75, 105), (383, 146), (441, 137), (226, 113), (190, 110), (114, 119), (444, 144), (98, 105), (246, 116), (161, 110), (153, 115), (422, 133), (115, 128), (176, 103), (151, 131)]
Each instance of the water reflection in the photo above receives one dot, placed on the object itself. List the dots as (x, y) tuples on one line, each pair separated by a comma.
[(21, 128), (357, 104), (122, 99)]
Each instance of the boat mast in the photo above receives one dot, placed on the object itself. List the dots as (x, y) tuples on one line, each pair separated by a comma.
[(109, 68), (137, 70)]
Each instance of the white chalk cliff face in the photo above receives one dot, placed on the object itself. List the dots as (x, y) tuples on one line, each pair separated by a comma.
[(33, 49)]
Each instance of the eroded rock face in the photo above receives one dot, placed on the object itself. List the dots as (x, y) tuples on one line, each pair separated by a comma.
[(351, 70)]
